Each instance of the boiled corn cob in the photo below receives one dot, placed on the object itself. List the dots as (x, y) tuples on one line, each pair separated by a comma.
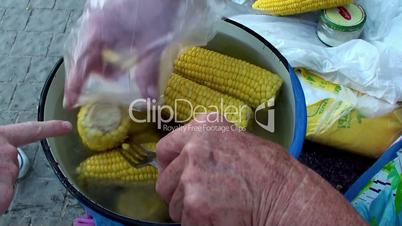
[(198, 97), (292, 7), (139, 126), (249, 83), (148, 135), (113, 167), (102, 126)]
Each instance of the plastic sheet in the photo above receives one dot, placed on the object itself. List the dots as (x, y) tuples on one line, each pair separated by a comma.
[(371, 65), (114, 51)]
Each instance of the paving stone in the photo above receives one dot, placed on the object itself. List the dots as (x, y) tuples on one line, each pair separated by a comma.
[(63, 213), (57, 45), (40, 220), (16, 219), (6, 92), (42, 4), (13, 69), (71, 201), (1, 13), (11, 219), (70, 4), (26, 97), (31, 44), (7, 39), (40, 68), (38, 197), (41, 167), (74, 15), (15, 19), (7, 117), (14, 3), (49, 221), (47, 20), (26, 116), (72, 209)]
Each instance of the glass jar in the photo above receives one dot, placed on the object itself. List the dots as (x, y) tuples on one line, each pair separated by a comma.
[(342, 24)]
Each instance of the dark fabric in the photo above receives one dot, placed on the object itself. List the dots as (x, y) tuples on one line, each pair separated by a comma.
[(338, 167)]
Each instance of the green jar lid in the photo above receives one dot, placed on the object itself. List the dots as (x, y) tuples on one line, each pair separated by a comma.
[(344, 18)]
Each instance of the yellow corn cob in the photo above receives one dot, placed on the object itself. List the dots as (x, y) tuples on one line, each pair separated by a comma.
[(292, 7), (249, 83), (113, 167), (102, 126), (139, 127), (198, 96), (147, 138)]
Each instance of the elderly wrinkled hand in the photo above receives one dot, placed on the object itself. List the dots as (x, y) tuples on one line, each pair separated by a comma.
[(13, 136), (210, 177), (111, 35)]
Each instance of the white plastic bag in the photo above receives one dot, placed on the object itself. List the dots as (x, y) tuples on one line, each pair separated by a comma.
[(372, 65)]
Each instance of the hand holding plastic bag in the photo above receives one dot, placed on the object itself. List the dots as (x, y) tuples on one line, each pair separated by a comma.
[(117, 47)]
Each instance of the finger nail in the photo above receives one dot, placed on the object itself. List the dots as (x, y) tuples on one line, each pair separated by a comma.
[(67, 125)]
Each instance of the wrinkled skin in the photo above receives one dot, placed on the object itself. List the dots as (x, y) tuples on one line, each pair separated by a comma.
[(127, 27), (235, 178), (13, 136)]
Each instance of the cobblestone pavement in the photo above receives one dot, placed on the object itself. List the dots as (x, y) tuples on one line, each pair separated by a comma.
[(31, 41)]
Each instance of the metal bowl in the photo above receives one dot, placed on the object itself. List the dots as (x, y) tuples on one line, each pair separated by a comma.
[(232, 39)]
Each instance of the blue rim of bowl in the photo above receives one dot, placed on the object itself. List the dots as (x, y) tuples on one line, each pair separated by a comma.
[(294, 150)]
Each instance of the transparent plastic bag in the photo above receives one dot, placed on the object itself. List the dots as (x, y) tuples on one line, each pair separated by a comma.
[(122, 50)]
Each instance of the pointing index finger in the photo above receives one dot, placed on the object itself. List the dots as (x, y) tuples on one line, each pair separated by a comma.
[(29, 132)]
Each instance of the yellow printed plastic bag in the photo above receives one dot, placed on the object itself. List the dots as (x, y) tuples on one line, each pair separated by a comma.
[(345, 119)]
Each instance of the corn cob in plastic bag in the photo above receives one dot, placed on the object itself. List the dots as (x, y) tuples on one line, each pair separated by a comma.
[(112, 54)]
